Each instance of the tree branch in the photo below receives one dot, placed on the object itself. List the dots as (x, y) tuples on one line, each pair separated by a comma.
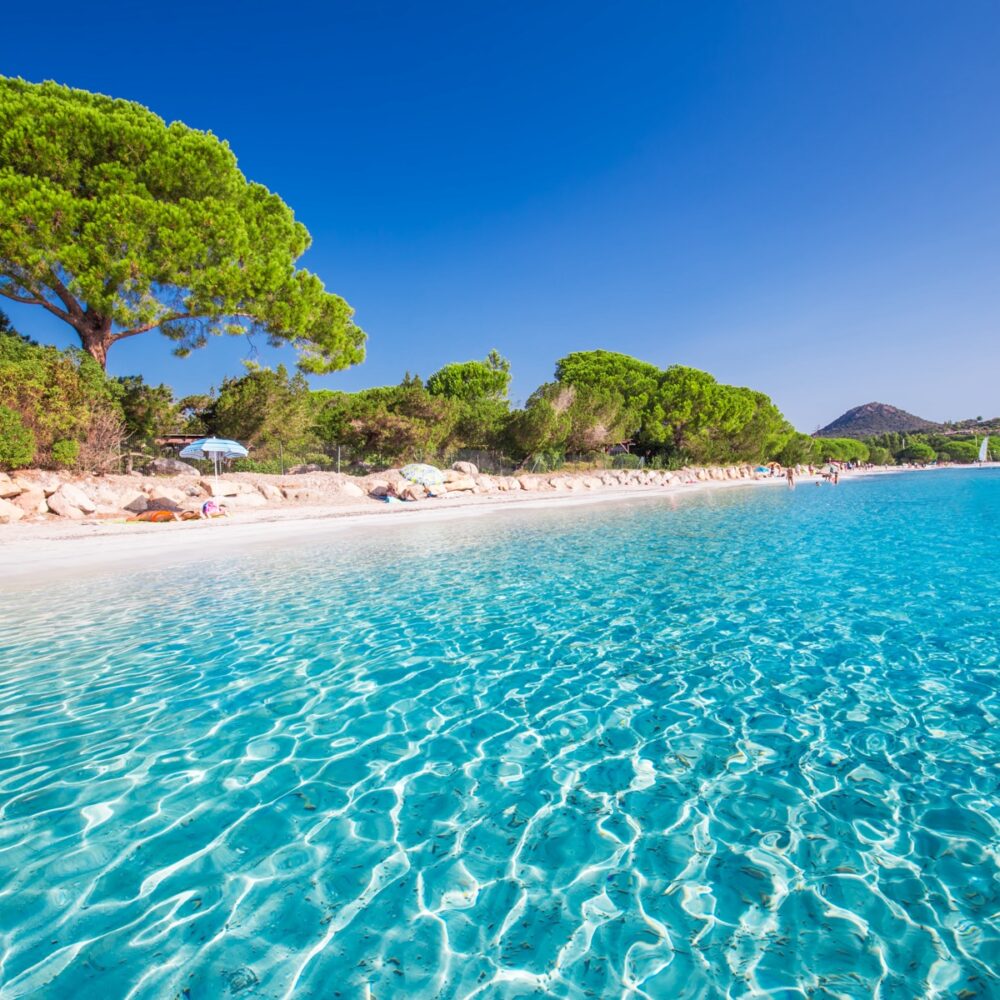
[(146, 327), (39, 301), (65, 296), (172, 318)]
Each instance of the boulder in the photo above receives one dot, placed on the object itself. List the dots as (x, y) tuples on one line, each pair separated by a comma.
[(245, 500), (48, 482), (300, 494), (165, 498), (225, 487), (378, 488), (31, 502), (170, 467), (298, 470), (513, 484), (270, 492), (220, 489), (486, 483), (527, 483), (461, 485), (163, 503), (466, 468), (9, 512), (8, 488), (59, 504), (76, 498), (166, 493), (137, 504), (437, 490), (352, 490), (592, 482)]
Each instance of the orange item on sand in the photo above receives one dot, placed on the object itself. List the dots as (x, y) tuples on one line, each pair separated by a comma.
[(155, 516)]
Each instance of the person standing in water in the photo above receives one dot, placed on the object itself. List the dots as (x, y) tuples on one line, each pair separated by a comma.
[(790, 475)]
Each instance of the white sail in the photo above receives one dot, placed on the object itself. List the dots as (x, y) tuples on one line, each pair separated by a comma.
[(982, 448)]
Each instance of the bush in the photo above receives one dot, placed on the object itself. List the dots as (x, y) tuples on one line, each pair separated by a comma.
[(918, 452), (17, 443), (65, 453), (57, 394)]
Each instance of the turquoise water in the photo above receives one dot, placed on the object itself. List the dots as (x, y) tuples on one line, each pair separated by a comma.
[(741, 744)]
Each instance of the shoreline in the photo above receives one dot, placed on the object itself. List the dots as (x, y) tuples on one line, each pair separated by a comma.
[(33, 554)]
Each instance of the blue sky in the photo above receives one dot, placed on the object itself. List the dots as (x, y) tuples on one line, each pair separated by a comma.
[(800, 197)]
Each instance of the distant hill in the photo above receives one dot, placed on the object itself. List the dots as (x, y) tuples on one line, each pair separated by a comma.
[(875, 418)]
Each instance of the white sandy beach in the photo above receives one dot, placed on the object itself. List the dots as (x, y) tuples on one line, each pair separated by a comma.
[(33, 553)]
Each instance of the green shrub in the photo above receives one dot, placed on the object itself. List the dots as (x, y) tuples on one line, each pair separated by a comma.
[(17, 443), (65, 453), (918, 452)]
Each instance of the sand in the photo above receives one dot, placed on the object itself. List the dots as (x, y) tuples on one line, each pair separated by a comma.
[(34, 553)]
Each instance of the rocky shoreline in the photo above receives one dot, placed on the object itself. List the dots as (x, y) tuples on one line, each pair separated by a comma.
[(40, 496)]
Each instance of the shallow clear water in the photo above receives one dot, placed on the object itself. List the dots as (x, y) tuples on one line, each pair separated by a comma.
[(730, 745)]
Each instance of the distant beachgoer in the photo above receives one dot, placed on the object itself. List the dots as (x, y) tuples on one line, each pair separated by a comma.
[(790, 475), (211, 508)]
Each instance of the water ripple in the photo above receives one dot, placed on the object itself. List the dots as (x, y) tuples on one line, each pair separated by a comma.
[(737, 746)]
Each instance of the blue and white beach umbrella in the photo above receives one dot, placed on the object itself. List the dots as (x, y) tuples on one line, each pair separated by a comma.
[(215, 449)]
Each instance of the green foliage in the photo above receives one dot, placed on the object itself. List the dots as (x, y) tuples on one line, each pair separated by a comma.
[(59, 395), (560, 419), (17, 442), (879, 455), (119, 224), (479, 390), (681, 414), (962, 448), (266, 410), (65, 453), (798, 450), (149, 410), (839, 450), (917, 451), (541, 426), (471, 381), (636, 384), (964, 452), (389, 423)]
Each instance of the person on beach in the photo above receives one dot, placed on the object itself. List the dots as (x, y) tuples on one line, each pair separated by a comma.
[(790, 475), (210, 508)]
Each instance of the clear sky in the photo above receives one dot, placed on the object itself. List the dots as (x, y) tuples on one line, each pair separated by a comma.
[(796, 196)]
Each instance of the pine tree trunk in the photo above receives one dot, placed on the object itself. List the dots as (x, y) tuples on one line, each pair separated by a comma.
[(95, 334)]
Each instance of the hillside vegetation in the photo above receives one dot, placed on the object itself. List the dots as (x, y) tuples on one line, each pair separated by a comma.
[(875, 418)]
